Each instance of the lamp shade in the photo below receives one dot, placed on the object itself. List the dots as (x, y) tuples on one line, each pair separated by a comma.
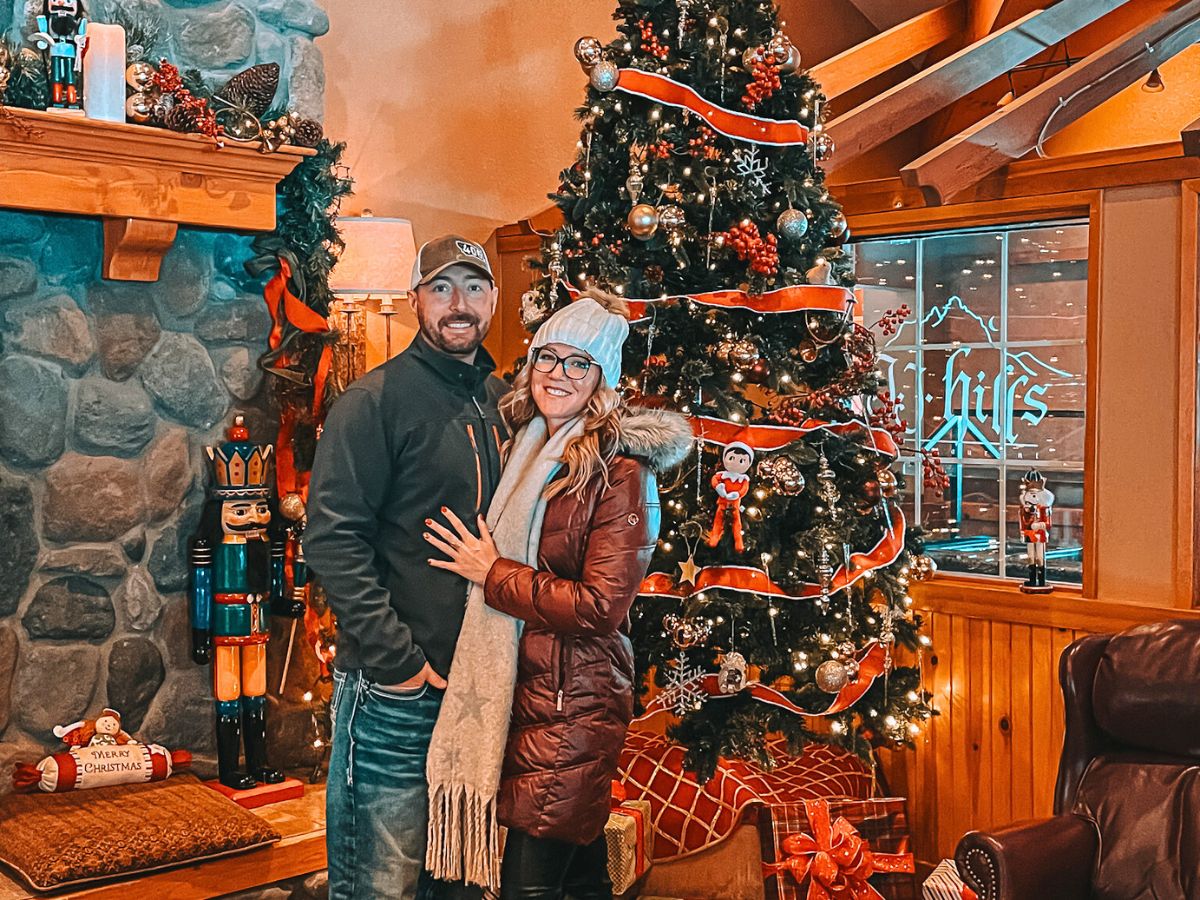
[(378, 258)]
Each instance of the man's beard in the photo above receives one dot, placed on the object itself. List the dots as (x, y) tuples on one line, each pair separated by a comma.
[(456, 343)]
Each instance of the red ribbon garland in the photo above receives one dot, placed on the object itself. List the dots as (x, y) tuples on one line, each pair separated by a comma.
[(769, 438), (835, 858), (871, 664), (732, 124), (795, 298), (749, 580), (286, 308)]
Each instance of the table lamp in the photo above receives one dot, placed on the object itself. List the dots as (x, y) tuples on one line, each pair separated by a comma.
[(372, 276)]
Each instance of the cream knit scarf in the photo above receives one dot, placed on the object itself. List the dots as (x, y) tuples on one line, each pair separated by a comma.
[(467, 749)]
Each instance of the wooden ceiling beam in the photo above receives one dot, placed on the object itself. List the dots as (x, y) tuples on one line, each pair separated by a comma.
[(1191, 139), (915, 99), (888, 49), (1014, 130)]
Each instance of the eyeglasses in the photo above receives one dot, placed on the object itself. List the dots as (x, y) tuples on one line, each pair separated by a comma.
[(574, 367)]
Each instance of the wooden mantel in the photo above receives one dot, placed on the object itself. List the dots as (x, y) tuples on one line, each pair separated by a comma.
[(143, 182)]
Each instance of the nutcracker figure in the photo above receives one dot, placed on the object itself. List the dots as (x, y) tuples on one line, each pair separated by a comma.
[(62, 29), (1036, 508), (731, 484), (237, 567)]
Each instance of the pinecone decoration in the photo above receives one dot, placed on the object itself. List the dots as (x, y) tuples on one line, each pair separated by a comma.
[(252, 90), (181, 118), (308, 133)]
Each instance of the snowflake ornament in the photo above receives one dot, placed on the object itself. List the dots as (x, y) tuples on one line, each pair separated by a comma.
[(685, 689), (752, 169)]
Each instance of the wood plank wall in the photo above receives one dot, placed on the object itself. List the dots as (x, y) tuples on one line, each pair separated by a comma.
[(991, 756)]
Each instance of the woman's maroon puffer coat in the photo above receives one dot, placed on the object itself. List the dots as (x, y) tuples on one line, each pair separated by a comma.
[(574, 696)]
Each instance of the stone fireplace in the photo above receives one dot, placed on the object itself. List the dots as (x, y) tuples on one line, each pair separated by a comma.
[(109, 392)]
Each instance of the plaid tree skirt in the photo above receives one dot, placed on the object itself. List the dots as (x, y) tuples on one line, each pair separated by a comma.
[(689, 816)]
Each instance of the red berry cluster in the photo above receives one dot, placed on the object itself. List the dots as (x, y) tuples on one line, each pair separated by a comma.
[(703, 144), (893, 319), (763, 253), (885, 416), (660, 149), (860, 353), (765, 72), (650, 42), (933, 473)]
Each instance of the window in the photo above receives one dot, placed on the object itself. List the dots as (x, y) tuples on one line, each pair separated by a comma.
[(989, 368)]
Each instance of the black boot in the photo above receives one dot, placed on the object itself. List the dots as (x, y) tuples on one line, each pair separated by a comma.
[(254, 731), (1041, 576), (229, 751), (1032, 580)]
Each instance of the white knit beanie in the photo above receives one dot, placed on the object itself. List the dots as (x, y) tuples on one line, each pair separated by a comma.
[(587, 326)]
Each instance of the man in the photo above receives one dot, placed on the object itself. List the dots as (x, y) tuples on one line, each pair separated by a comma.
[(418, 433)]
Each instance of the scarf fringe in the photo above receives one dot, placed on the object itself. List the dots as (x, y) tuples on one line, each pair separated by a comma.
[(464, 836)]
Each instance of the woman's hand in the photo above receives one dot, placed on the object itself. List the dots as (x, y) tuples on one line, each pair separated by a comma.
[(471, 557)]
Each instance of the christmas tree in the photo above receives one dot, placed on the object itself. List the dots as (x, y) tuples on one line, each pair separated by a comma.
[(777, 601)]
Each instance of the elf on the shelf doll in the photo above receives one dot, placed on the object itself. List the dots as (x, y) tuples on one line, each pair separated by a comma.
[(731, 484), (62, 30), (237, 564), (1036, 509)]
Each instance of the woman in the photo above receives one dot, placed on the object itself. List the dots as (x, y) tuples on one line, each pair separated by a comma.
[(566, 544)]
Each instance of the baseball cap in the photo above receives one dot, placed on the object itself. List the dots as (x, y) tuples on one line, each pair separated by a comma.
[(450, 250)]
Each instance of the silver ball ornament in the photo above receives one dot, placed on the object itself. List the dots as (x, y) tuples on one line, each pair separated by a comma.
[(589, 51), (643, 221), (791, 62), (604, 75), (832, 676), (751, 56), (823, 147), (838, 226), (778, 46), (671, 217), (792, 225)]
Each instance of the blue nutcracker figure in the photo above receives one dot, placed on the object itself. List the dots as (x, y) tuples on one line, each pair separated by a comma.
[(237, 568), (62, 29)]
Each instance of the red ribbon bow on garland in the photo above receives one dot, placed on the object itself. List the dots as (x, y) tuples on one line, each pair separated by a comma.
[(835, 858)]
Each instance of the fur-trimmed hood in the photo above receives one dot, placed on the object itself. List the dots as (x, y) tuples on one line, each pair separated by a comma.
[(660, 437)]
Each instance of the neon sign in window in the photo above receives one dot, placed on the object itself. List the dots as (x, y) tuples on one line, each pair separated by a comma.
[(990, 369)]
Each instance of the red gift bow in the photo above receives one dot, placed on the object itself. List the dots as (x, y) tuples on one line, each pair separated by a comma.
[(836, 858)]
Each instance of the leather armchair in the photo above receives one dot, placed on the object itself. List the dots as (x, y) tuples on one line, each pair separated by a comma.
[(1128, 789)]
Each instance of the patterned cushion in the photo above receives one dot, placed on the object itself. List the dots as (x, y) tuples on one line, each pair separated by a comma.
[(54, 840)]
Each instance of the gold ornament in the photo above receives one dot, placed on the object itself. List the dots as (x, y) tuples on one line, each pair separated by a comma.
[(888, 483), (782, 474), (291, 507), (589, 51), (832, 676), (604, 75), (688, 570), (139, 107), (5, 70), (140, 76), (744, 353), (922, 568), (643, 221), (686, 631)]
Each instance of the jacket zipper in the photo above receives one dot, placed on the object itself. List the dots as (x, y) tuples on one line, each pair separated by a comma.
[(481, 452), (563, 647), (478, 469)]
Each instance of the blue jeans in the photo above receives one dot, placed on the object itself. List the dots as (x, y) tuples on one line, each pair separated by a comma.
[(376, 805)]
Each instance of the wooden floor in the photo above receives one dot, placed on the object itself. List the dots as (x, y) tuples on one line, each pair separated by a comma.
[(302, 850)]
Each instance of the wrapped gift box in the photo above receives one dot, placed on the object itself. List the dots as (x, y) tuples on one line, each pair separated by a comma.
[(882, 822), (944, 884), (630, 843)]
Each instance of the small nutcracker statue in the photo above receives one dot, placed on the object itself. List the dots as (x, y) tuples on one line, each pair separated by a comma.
[(62, 29), (237, 565), (1036, 509), (732, 484)]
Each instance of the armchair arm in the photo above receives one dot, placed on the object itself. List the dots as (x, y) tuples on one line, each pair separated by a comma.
[(1040, 858)]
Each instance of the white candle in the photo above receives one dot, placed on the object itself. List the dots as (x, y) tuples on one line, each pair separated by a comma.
[(104, 72)]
